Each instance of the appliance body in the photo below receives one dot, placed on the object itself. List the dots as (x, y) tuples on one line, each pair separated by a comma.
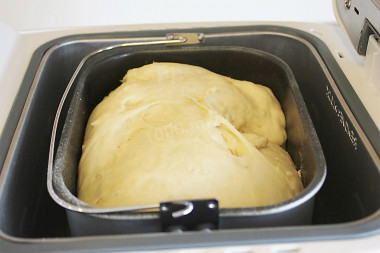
[(344, 216), (343, 209)]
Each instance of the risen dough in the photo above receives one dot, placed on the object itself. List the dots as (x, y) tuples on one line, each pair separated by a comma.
[(174, 131)]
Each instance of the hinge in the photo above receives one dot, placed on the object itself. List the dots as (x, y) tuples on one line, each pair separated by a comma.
[(185, 38), (367, 30)]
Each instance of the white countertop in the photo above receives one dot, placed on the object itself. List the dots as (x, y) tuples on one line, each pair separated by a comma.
[(25, 25), (24, 15)]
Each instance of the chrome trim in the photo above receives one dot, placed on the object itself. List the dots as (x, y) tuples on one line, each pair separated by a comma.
[(187, 208)]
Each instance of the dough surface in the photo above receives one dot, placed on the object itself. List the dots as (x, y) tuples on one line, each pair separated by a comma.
[(173, 131)]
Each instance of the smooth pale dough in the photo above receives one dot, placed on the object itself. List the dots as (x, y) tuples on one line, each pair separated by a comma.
[(173, 131)]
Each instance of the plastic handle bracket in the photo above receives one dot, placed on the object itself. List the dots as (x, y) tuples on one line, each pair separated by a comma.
[(187, 215)]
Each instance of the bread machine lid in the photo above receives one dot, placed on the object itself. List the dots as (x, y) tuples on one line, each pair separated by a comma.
[(360, 19), (361, 22)]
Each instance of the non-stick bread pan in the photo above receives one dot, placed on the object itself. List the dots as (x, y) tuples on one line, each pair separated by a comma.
[(101, 72)]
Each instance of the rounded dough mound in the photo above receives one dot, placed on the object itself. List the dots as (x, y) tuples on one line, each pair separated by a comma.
[(174, 131)]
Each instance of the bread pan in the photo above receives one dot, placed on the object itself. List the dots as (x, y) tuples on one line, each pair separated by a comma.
[(100, 74)]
